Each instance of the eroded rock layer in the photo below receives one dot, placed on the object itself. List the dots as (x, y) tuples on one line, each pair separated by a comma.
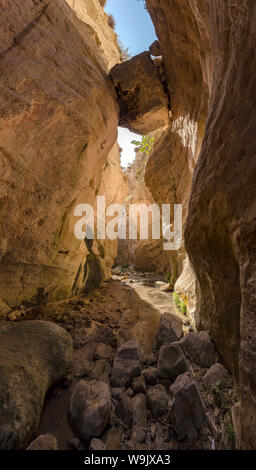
[(58, 123)]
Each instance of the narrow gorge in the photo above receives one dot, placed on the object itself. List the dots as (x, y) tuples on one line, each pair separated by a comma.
[(109, 341)]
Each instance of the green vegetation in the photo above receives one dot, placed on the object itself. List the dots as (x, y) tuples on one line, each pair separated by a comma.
[(145, 145), (217, 394), (123, 51), (231, 433), (111, 21), (180, 304), (168, 277)]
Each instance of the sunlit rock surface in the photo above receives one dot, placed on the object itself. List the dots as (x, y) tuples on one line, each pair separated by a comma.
[(58, 124)]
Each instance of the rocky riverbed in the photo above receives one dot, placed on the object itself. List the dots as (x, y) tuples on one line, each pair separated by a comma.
[(140, 378)]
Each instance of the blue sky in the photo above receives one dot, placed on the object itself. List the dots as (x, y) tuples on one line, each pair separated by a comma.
[(136, 31)]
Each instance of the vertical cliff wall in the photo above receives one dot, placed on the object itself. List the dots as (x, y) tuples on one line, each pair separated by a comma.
[(209, 50), (58, 124)]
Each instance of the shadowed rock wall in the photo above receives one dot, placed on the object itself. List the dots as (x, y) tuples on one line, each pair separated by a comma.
[(210, 47)]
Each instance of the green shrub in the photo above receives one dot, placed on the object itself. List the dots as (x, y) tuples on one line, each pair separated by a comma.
[(111, 21), (180, 304), (145, 145)]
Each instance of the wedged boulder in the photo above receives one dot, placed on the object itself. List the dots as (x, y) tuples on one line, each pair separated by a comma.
[(142, 99), (89, 408), (200, 348), (217, 373), (169, 330), (34, 355), (44, 442), (171, 361), (186, 411), (127, 364), (157, 400), (155, 49)]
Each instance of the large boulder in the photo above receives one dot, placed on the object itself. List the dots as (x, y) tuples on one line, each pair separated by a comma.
[(186, 409), (169, 330), (200, 348), (34, 356), (142, 98), (171, 361), (89, 408), (127, 364)]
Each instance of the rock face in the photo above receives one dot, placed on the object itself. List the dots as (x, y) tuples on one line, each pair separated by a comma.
[(144, 255), (58, 124), (104, 35), (89, 408), (127, 364), (143, 101), (34, 356), (208, 51)]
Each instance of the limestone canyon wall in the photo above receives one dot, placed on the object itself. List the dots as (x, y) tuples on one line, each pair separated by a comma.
[(209, 50), (58, 125)]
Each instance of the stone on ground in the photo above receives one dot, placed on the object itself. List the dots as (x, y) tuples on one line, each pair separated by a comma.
[(186, 411), (139, 404), (127, 364), (139, 385), (200, 347), (34, 356), (97, 444), (216, 374), (171, 361), (150, 375), (169, 330), (89, 408), (44, 442), (124, 409), (101, 371), (103, 351), (157, 400)]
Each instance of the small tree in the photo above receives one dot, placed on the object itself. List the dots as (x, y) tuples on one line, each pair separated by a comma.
[(123, 51)]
